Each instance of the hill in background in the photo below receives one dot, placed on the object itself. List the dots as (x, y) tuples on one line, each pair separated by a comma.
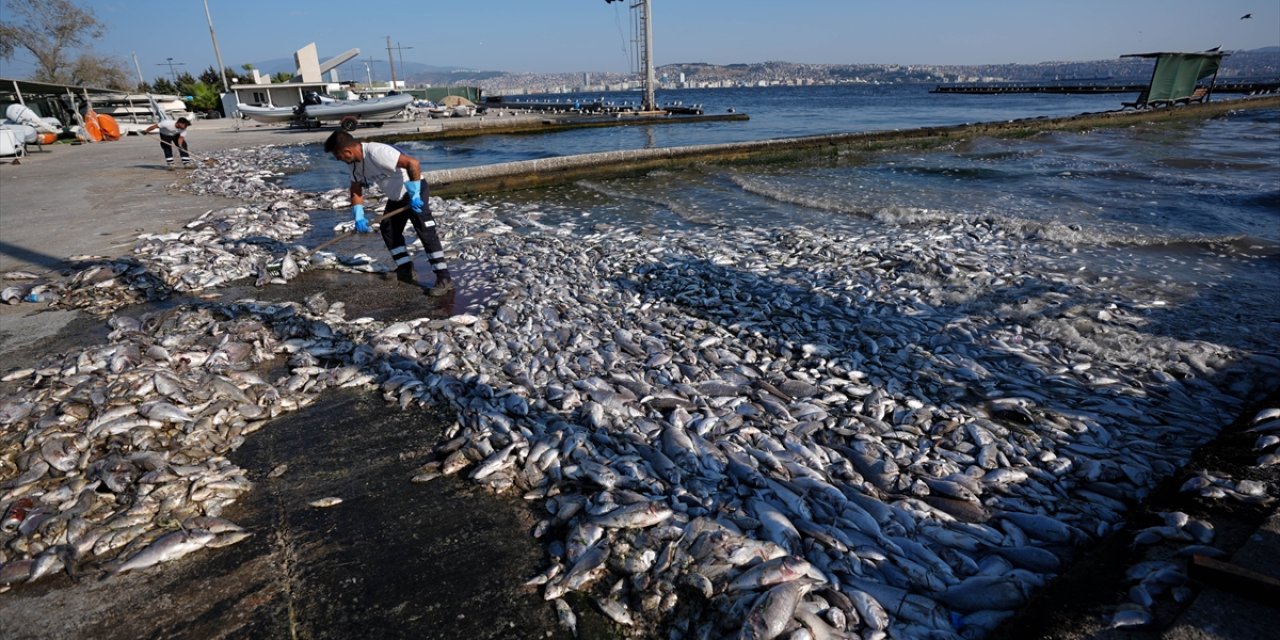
[(1254, 63)]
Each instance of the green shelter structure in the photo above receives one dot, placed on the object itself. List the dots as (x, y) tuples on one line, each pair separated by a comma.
[(1176, 78)]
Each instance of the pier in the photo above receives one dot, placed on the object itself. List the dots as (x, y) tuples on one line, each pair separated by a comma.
[(518, 122), (1246, 87)]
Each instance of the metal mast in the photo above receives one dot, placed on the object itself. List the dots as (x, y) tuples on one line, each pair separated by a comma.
[(646, 53), (644, 41), (216, 54), (391, 62)]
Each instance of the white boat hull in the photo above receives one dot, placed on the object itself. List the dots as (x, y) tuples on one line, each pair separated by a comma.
[(269, 115), (329, 111), (376, 108)]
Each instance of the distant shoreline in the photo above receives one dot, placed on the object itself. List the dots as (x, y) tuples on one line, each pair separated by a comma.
[(565, 169)]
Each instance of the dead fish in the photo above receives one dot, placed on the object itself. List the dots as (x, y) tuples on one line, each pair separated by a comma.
[(322, 503), (170, 546), (635, 516), (772, 611), (13, 411), (16, 571), (980, 593), (289, 268), (227, 539), (615, 610), (771, 572), (18, 374), (164, 412), (564, 613), (580, 574)]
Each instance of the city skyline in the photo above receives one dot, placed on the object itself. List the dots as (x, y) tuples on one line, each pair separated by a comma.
[(593, 36)]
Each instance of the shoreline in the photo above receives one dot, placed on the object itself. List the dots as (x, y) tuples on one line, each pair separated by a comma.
[(649, 282)]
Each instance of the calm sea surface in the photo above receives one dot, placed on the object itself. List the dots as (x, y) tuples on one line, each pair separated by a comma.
[(1191, 206)]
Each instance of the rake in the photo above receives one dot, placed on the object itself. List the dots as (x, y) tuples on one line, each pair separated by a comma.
[(274, 267)]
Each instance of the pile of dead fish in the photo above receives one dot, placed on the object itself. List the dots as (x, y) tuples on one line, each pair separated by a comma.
[(1182, 536), (248, 174), (806, 429), (734, 431), (114, 457), (257, 240)]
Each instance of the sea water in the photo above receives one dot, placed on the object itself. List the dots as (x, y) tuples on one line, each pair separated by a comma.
[(1189, 209)]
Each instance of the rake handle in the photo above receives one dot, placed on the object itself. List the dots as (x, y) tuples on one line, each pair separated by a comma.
[(336, 238), (187, 151)]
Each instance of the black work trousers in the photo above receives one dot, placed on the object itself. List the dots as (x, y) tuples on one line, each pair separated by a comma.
[(169, 142), (423, 224)]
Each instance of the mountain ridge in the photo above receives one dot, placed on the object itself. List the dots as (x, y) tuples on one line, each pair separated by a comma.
[(1264, 61)]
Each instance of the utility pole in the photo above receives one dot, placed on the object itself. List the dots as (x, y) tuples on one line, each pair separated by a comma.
[(222, 71), (172, 72), (391, 62), (400, 51)]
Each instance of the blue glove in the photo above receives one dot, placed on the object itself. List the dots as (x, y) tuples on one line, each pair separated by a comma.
[(357, 213), (414, 187)]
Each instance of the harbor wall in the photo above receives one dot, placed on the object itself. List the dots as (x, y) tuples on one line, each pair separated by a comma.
[(544, 172)]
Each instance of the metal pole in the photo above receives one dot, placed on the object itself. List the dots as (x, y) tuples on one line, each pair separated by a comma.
[(216, 54), (391, 62), (141, 80), (650, 78), (19, 92), (172, 71), (400, 51)]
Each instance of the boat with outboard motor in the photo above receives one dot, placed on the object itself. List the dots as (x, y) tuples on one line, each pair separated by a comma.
[(318, 109)]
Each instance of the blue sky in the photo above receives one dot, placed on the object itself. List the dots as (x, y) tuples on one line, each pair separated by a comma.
[(549, 36)]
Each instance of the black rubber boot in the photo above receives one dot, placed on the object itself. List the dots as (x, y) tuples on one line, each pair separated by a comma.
[(404, 273), (443, 285)]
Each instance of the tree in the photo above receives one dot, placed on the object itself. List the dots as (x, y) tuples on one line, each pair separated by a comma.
[(204, 97), (164, 85), (283, 76), (49, 30), (211, 76), (92, 70)]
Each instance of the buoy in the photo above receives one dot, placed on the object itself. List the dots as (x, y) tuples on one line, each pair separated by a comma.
[(91, 128), (110, 129), (23, 115)]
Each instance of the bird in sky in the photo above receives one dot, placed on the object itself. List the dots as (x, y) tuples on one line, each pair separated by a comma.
[(1246, 16)]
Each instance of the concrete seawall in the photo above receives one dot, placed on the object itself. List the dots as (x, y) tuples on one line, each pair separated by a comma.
[(550, 171), (518, 124)]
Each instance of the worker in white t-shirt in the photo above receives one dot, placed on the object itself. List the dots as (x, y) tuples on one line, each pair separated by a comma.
[(173, 134), (400, 178)]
